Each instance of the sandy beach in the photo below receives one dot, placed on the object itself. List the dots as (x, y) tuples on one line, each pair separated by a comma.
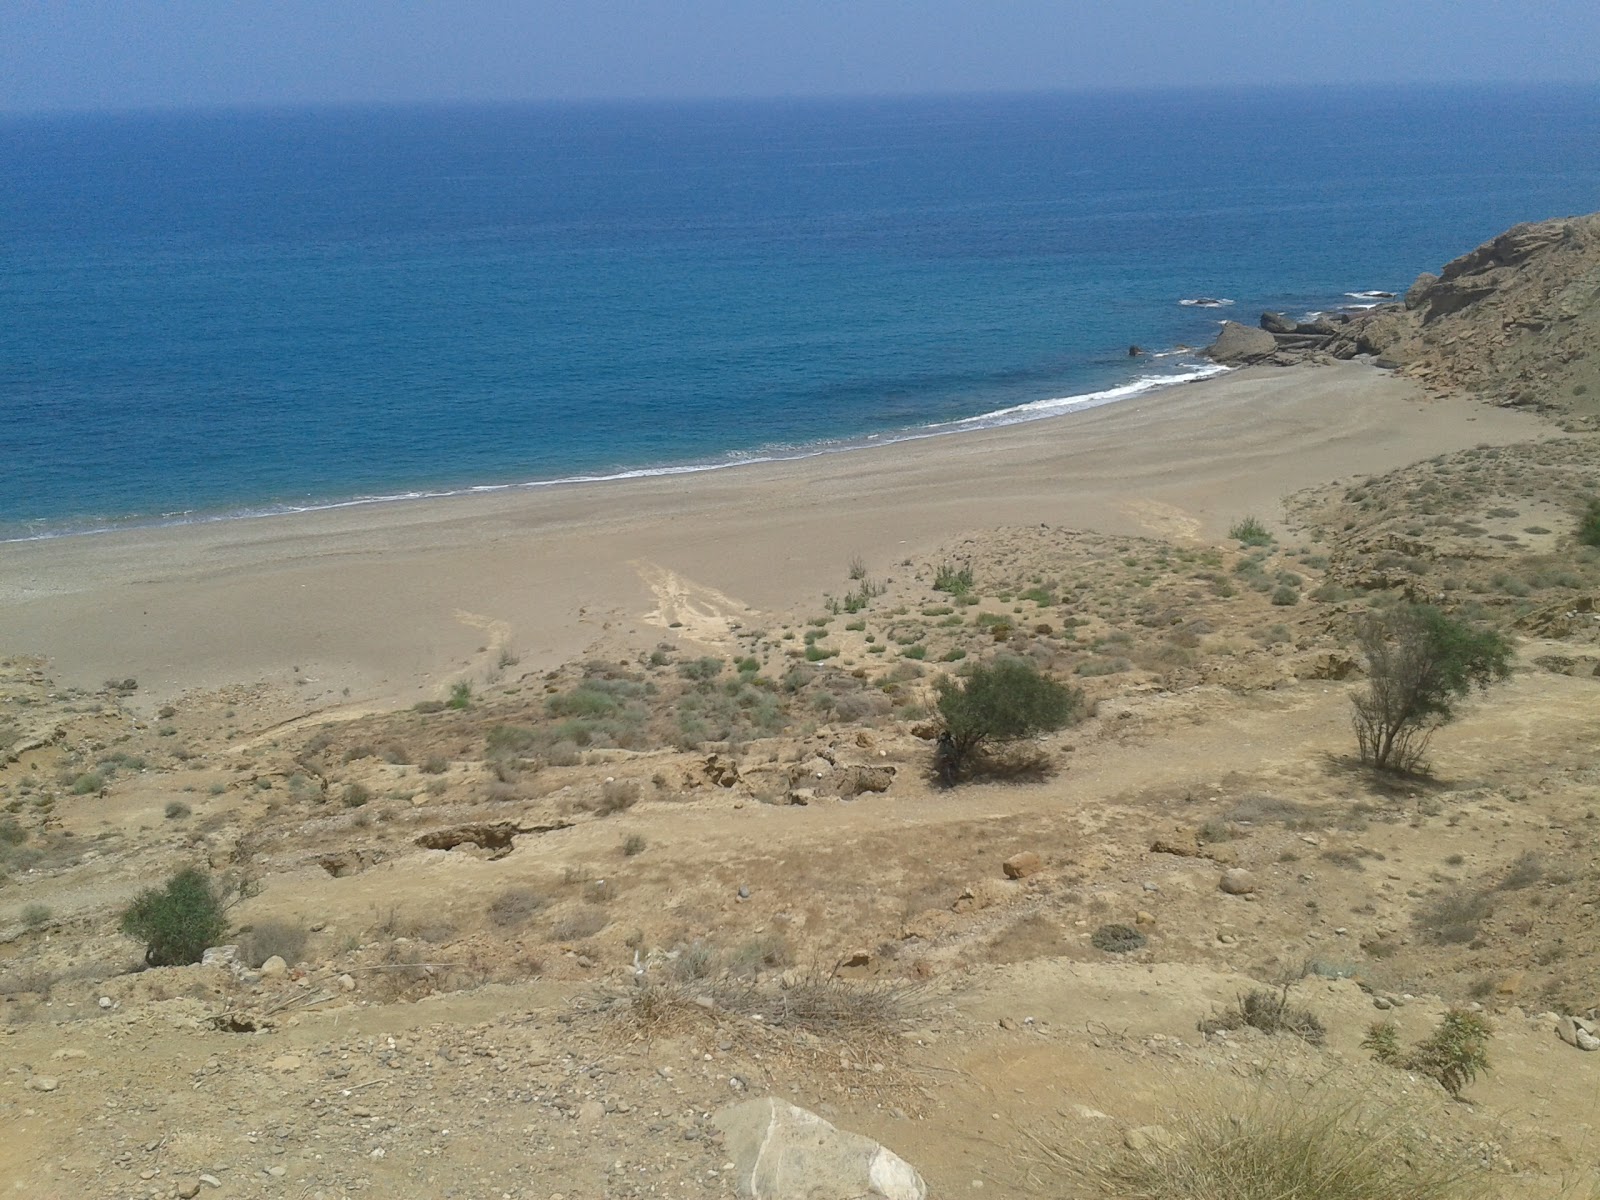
[(388, 603)]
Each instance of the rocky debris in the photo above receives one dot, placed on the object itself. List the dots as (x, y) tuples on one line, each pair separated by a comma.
[(720, 771), (1575, 1031), (1186, 843), (1237, 345), (856, 780), (783, 1152), (1022, 865), (1237, 882)]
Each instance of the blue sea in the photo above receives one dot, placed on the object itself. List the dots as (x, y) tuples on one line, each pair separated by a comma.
[(228, 313)]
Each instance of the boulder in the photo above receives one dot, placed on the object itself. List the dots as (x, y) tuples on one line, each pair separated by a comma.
[(1241, 344), (1276, 322), (1237, 882), (783, 1152), (274, 968), (857, 780), (1020, 866)]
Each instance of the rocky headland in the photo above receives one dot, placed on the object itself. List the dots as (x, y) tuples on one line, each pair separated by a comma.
[(1516, 321)]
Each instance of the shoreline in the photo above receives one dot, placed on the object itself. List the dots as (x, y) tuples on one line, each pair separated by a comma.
[(1046, 409), (385, 603)]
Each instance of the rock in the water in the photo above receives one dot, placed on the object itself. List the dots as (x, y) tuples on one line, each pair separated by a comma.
[(1276, 322), (781, 1152), (274, 968), (1237, 882), (1020, 866), (1241, 344)]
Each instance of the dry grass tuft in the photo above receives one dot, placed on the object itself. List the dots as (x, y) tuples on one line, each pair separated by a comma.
[(1270, 1150)]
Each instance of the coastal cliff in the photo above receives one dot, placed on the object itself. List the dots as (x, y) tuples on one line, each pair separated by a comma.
[(1514, 321)]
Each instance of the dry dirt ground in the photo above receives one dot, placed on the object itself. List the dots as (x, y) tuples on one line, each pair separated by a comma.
[(539, 929)]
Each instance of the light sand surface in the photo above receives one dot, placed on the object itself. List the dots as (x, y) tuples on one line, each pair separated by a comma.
[(392, 601)]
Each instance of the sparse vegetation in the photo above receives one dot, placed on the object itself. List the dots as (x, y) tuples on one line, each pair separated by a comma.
[(267, 939), (1250, 532), (957, 581), (460, 696), (514, 907), (1270, 1012), (1419, 663), (176, 810), (178, 921), (36, 916), (1271, 1149), (1117, 939), (1454, 1054)]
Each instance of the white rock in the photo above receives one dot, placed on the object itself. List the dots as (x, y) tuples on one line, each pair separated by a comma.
[(220, 956), (782, 1152), (44, 1083), (274, 968)]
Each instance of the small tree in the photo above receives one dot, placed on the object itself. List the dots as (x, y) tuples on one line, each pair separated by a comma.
[(177, 922), (1419, 662), (1003, 701), (1589, 525)]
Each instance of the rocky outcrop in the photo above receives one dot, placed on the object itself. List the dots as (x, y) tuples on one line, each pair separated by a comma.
[(1239, 344), (1517, 321)]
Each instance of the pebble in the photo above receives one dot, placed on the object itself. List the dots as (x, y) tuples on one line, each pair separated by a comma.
[(744, 893), (44, 1083), (104, 1002), (274, 968)]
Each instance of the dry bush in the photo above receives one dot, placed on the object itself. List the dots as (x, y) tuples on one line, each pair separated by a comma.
[(1270, 1012), (514, 907), (285, 939), (1452, 918), (617, 795), (575, 926), (1269, 1150)]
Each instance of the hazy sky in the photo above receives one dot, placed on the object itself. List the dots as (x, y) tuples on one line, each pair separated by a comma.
[(177, 53)]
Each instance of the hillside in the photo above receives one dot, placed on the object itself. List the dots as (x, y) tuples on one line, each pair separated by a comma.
[(531, 936)]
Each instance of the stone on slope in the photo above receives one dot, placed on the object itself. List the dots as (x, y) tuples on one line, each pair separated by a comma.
[(783, 1152)]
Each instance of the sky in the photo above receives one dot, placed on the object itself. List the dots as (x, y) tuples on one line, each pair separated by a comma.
[(117, 54)]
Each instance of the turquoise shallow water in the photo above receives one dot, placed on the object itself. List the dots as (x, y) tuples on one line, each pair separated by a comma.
[(213, 314)]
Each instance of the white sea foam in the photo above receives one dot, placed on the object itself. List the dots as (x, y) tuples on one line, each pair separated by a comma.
[(1016, 414), (1206, 302), (1370, 295)]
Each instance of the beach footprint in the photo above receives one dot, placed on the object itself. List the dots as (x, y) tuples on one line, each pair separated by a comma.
[(695, 610)]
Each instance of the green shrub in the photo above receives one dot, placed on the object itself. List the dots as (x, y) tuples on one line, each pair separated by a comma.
[(1419, 662), (1250, 532), (176, 810), (1454, 1054), (1285, 596), (36, 915), (1589, 525), (1003, 701), (178, 921), (460, 696), (955, 580)]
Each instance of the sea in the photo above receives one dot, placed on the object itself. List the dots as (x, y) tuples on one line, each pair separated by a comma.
[(214, 315)]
